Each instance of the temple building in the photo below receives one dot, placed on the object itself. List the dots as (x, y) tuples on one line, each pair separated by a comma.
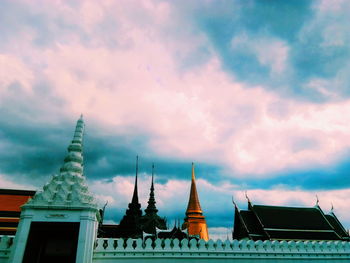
[(195, 221), (59, 223), (263, 222), (176, 232), (134, 224)]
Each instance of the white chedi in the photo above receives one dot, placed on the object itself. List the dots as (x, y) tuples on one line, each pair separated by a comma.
[(68, 188)]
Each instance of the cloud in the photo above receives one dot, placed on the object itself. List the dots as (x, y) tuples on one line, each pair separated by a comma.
[(136, 89), (269, 52)]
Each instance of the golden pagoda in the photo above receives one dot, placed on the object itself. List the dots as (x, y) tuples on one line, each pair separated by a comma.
[(194, 221)]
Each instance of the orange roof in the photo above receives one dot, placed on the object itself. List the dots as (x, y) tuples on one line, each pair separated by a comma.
[(12, 200)]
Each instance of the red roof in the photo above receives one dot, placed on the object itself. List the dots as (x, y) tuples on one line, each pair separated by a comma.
[(12, 200)]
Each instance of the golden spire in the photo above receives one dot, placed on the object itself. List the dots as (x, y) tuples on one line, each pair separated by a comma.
[(193, 203), (194, 220)]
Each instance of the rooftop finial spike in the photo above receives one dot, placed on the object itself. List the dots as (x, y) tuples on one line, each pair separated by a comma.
[(234, 203), (317, 200), (246, 196), (332, 208)]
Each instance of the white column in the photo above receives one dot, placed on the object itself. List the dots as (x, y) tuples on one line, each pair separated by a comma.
[(21, 238), (87, 236)]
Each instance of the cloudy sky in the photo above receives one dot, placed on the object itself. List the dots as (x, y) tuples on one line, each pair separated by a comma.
[(256, 93)]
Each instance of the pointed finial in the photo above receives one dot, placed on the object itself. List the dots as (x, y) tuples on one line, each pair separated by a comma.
[(137, 165), (193, 176), (317, 200), (152, 173), (81, 116), (332, 208), (246, 196), (233, 202), (103, 212)]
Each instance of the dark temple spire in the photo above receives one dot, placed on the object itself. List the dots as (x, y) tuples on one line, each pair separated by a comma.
[(135, 196), (151, 208), (151, 221), (129, 226)]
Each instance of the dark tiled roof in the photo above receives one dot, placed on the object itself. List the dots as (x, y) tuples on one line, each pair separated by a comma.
[(287, 223), (333, 220), (174, 233), (282, 217), (252, 223)]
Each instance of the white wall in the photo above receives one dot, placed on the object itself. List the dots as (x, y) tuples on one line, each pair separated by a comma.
[(173, 251)]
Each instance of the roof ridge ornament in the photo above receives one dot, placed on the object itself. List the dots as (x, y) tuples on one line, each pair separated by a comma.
[(247, 197), (317, 201), (234, 203)]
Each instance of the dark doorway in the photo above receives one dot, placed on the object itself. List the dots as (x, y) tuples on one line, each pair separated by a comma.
[(52, 243)]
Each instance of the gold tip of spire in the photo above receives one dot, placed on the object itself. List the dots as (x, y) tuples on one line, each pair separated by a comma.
[(193, 176)]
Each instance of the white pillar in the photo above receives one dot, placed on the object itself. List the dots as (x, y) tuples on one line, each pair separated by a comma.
[(87, 237), (21, 238)]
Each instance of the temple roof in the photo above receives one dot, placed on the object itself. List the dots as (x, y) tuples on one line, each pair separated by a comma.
[(68, 188), (176, 232), (282, 222), (333, 220), (282, 217), (193, 202)]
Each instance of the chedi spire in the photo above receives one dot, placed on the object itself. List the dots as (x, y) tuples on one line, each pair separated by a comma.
[(151, 221), (151, 208), (193, 202), (195, 221), (68, 188), (73, 163), (129, 226)]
